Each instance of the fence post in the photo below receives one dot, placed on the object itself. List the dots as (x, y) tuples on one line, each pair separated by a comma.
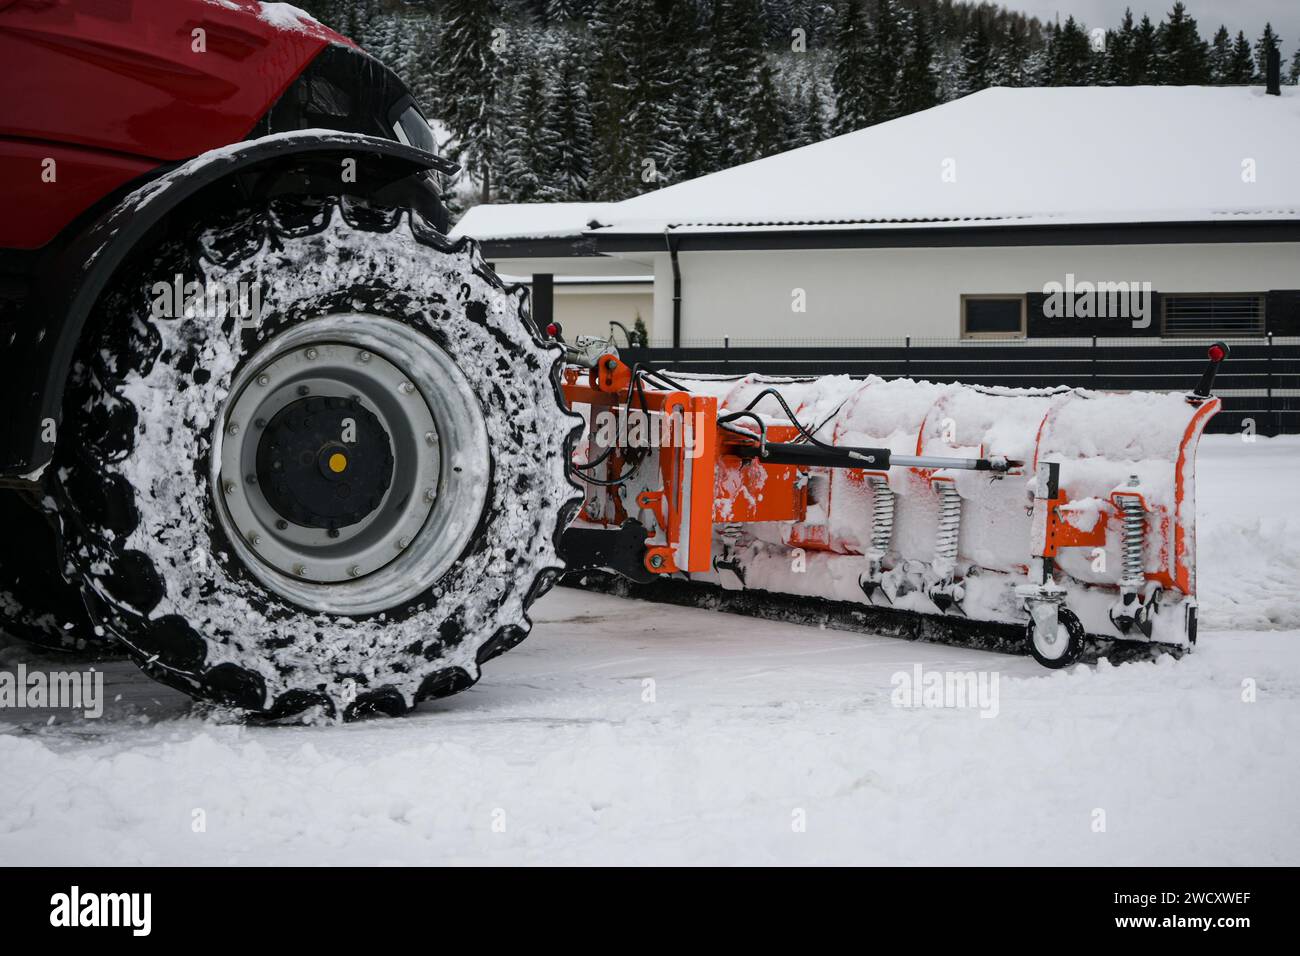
[(1273, 417), (907, 356), (726, 344), (1094, 361)]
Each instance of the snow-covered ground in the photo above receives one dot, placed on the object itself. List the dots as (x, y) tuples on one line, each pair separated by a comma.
[(622, 732)]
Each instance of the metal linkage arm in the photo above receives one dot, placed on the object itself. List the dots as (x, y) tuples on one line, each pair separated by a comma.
[(874, 459)]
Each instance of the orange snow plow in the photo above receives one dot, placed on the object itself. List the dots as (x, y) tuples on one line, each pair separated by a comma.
[(1044, 516)]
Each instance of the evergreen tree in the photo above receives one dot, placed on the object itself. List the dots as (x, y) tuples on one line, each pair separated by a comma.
[(612, 152), (737, 42), (686, 90), (1181, 52), (852, 67), (647, 84), (769, 115), (1220, 56), (1072, 56), (976, 60), (569, 119), (531, 150), (468, 60), (917, 86), (1012, 67), (1241, 64), (694, 109), (1268, 40), (1293, 77), (567, 11), (884, 62), (814, 116), (1117, 68), (1144, 64)]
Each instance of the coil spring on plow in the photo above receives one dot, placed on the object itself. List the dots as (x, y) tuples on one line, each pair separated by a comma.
[(882, 515), (1135, 520)]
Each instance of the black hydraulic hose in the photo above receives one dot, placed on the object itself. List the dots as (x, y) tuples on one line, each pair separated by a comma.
[(813, 439)]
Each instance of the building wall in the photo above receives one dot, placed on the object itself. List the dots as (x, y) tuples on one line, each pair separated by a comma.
[(879, 293), (587, 310)]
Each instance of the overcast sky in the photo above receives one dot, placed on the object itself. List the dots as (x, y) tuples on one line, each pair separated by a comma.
[(1248, 15)]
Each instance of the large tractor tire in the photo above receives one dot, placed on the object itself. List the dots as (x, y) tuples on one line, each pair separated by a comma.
[(342, 497)]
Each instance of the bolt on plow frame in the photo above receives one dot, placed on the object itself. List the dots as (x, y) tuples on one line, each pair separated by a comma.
[(1043, 518)]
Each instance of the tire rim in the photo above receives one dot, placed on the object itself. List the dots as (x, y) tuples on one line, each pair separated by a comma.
[(359, 526), (1051, 643)]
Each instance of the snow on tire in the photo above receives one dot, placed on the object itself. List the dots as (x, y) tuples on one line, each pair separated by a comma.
[(334, 478)]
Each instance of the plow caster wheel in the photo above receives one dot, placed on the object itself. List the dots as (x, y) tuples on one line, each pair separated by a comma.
[(1058, 646)]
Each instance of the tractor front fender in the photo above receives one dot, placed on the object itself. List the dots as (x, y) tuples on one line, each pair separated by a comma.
[(74, 274)]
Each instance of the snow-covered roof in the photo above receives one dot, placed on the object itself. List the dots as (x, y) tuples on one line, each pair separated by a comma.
[(1041, 156), (1015, 156), (534, 220)]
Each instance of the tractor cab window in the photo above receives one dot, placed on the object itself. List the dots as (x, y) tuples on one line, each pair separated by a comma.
[(413, 129)]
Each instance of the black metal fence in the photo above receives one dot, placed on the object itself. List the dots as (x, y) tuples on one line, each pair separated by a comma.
[(1259, 383)]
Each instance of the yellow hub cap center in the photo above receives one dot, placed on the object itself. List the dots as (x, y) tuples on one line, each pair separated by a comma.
[(338, 462)]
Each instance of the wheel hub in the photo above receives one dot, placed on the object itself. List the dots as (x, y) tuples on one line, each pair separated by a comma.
[(324, 462), (338, 462), (355, 407)]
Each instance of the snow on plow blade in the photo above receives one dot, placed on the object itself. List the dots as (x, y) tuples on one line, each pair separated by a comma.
[(1063, 513)]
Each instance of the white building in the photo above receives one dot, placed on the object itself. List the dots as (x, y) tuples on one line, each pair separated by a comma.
[(954, 221)]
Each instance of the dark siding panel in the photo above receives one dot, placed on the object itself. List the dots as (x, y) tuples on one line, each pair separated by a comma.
[(1045, 326), (1282, 312)]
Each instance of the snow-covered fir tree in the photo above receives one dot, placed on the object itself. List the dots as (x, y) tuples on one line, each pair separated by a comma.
[(568, 113), (1268, 40), (1241, 65), (1220, 55), (977, 62), (1144, 67), (1012, 61), (885, 61), (849, 79), (532, 145), (469, 61), (1182, 55), (735, 35)]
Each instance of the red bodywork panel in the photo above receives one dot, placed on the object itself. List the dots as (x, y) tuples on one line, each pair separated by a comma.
[(110, 89)]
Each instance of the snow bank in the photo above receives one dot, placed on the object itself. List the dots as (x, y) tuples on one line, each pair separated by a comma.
[(754, 726), (1248, 532)]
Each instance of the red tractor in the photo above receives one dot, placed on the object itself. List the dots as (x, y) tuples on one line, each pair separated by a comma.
[(294, 449), (290, 444)]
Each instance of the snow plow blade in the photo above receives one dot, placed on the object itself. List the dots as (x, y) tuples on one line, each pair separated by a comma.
[(1038, 518)]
